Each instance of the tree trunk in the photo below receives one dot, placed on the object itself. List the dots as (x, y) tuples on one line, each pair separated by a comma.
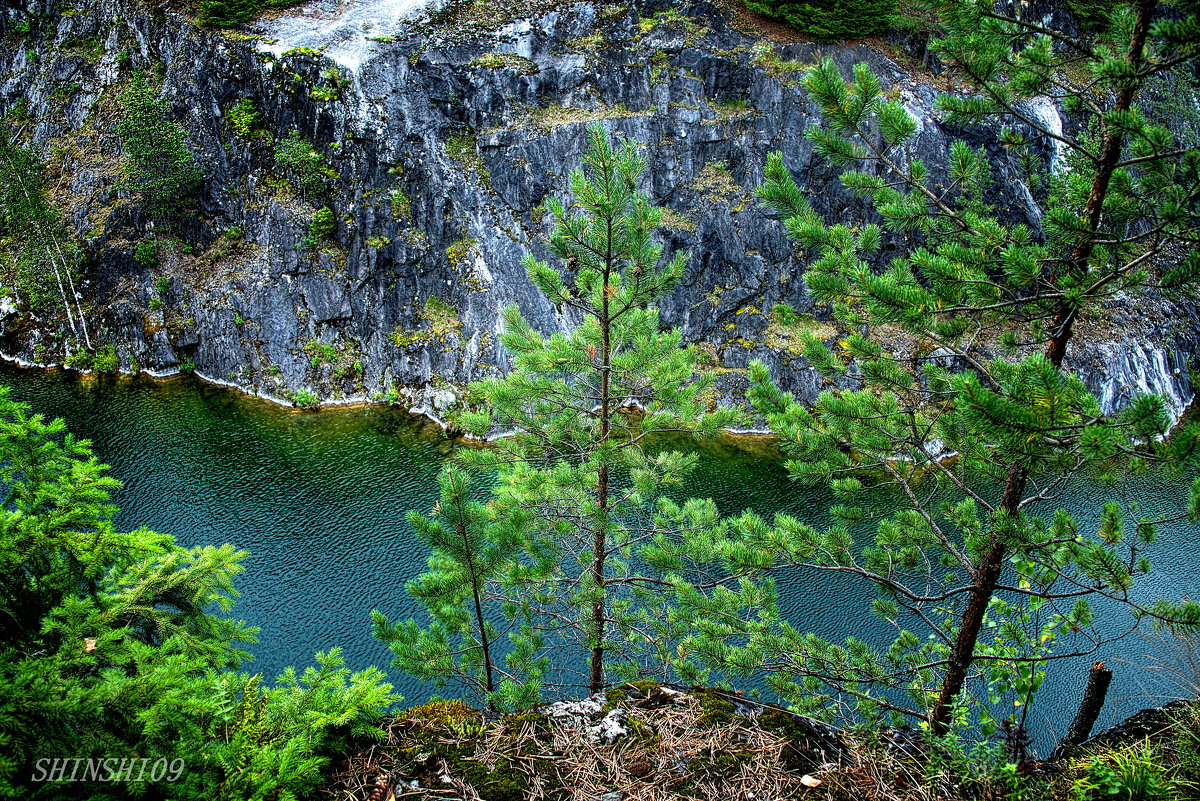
[(48, 236), (483, 639), (987, 575), (987, 572), (1089, 709), (600, 538)]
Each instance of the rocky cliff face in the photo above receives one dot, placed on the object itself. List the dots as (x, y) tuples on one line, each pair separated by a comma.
[(436, 143)]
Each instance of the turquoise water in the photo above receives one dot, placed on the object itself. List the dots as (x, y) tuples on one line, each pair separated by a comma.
[(319, 500)]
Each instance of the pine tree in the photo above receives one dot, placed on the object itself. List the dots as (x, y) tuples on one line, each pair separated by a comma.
[(603, 555), (160, 166), (955, 399), (470, 551), (114, 645)]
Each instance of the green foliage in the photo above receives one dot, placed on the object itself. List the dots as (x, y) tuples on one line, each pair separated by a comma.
[(506, 61), (321, 352), (37, 257), (470, 552), (937, 457), (323, 225), (440, 321), (78, 359), (400, 204), (463, 149), (120, 617), (1092, 14), (115, 645), (830, 20), (229, 13), (159, 164), (959, 767), (90, 48), (303, 165), (263, 742), (1134, 773), (145, 253), (106, 360), (244, 117), (592, 568), (305, 399), (785, 315)]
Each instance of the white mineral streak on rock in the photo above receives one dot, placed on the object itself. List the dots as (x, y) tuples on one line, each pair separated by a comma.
[(347, 30), (1046, 113), (1118, 371)]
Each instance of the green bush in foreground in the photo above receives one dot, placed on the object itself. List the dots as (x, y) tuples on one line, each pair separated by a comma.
[(109, 650)]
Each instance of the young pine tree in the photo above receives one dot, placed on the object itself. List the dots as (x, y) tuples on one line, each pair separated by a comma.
[(603, 555), (159, 164), (470, 551), (954, 397)]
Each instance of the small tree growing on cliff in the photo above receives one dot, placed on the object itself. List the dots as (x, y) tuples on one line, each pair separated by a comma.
[(39, 237), (603, 555), (969, 442), (160, 166)]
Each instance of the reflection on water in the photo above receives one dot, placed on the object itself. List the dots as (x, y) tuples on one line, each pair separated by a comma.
[(319, 501)]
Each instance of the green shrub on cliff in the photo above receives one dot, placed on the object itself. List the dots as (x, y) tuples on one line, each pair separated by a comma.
[(323, 225), (145, 253), (159, 164), (303, 165), (830, 20), (245, 117)]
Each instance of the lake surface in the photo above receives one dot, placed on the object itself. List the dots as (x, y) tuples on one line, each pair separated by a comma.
[(319, 500)]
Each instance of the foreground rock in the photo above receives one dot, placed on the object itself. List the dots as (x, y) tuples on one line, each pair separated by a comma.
[(650, 742), (638, 741)]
